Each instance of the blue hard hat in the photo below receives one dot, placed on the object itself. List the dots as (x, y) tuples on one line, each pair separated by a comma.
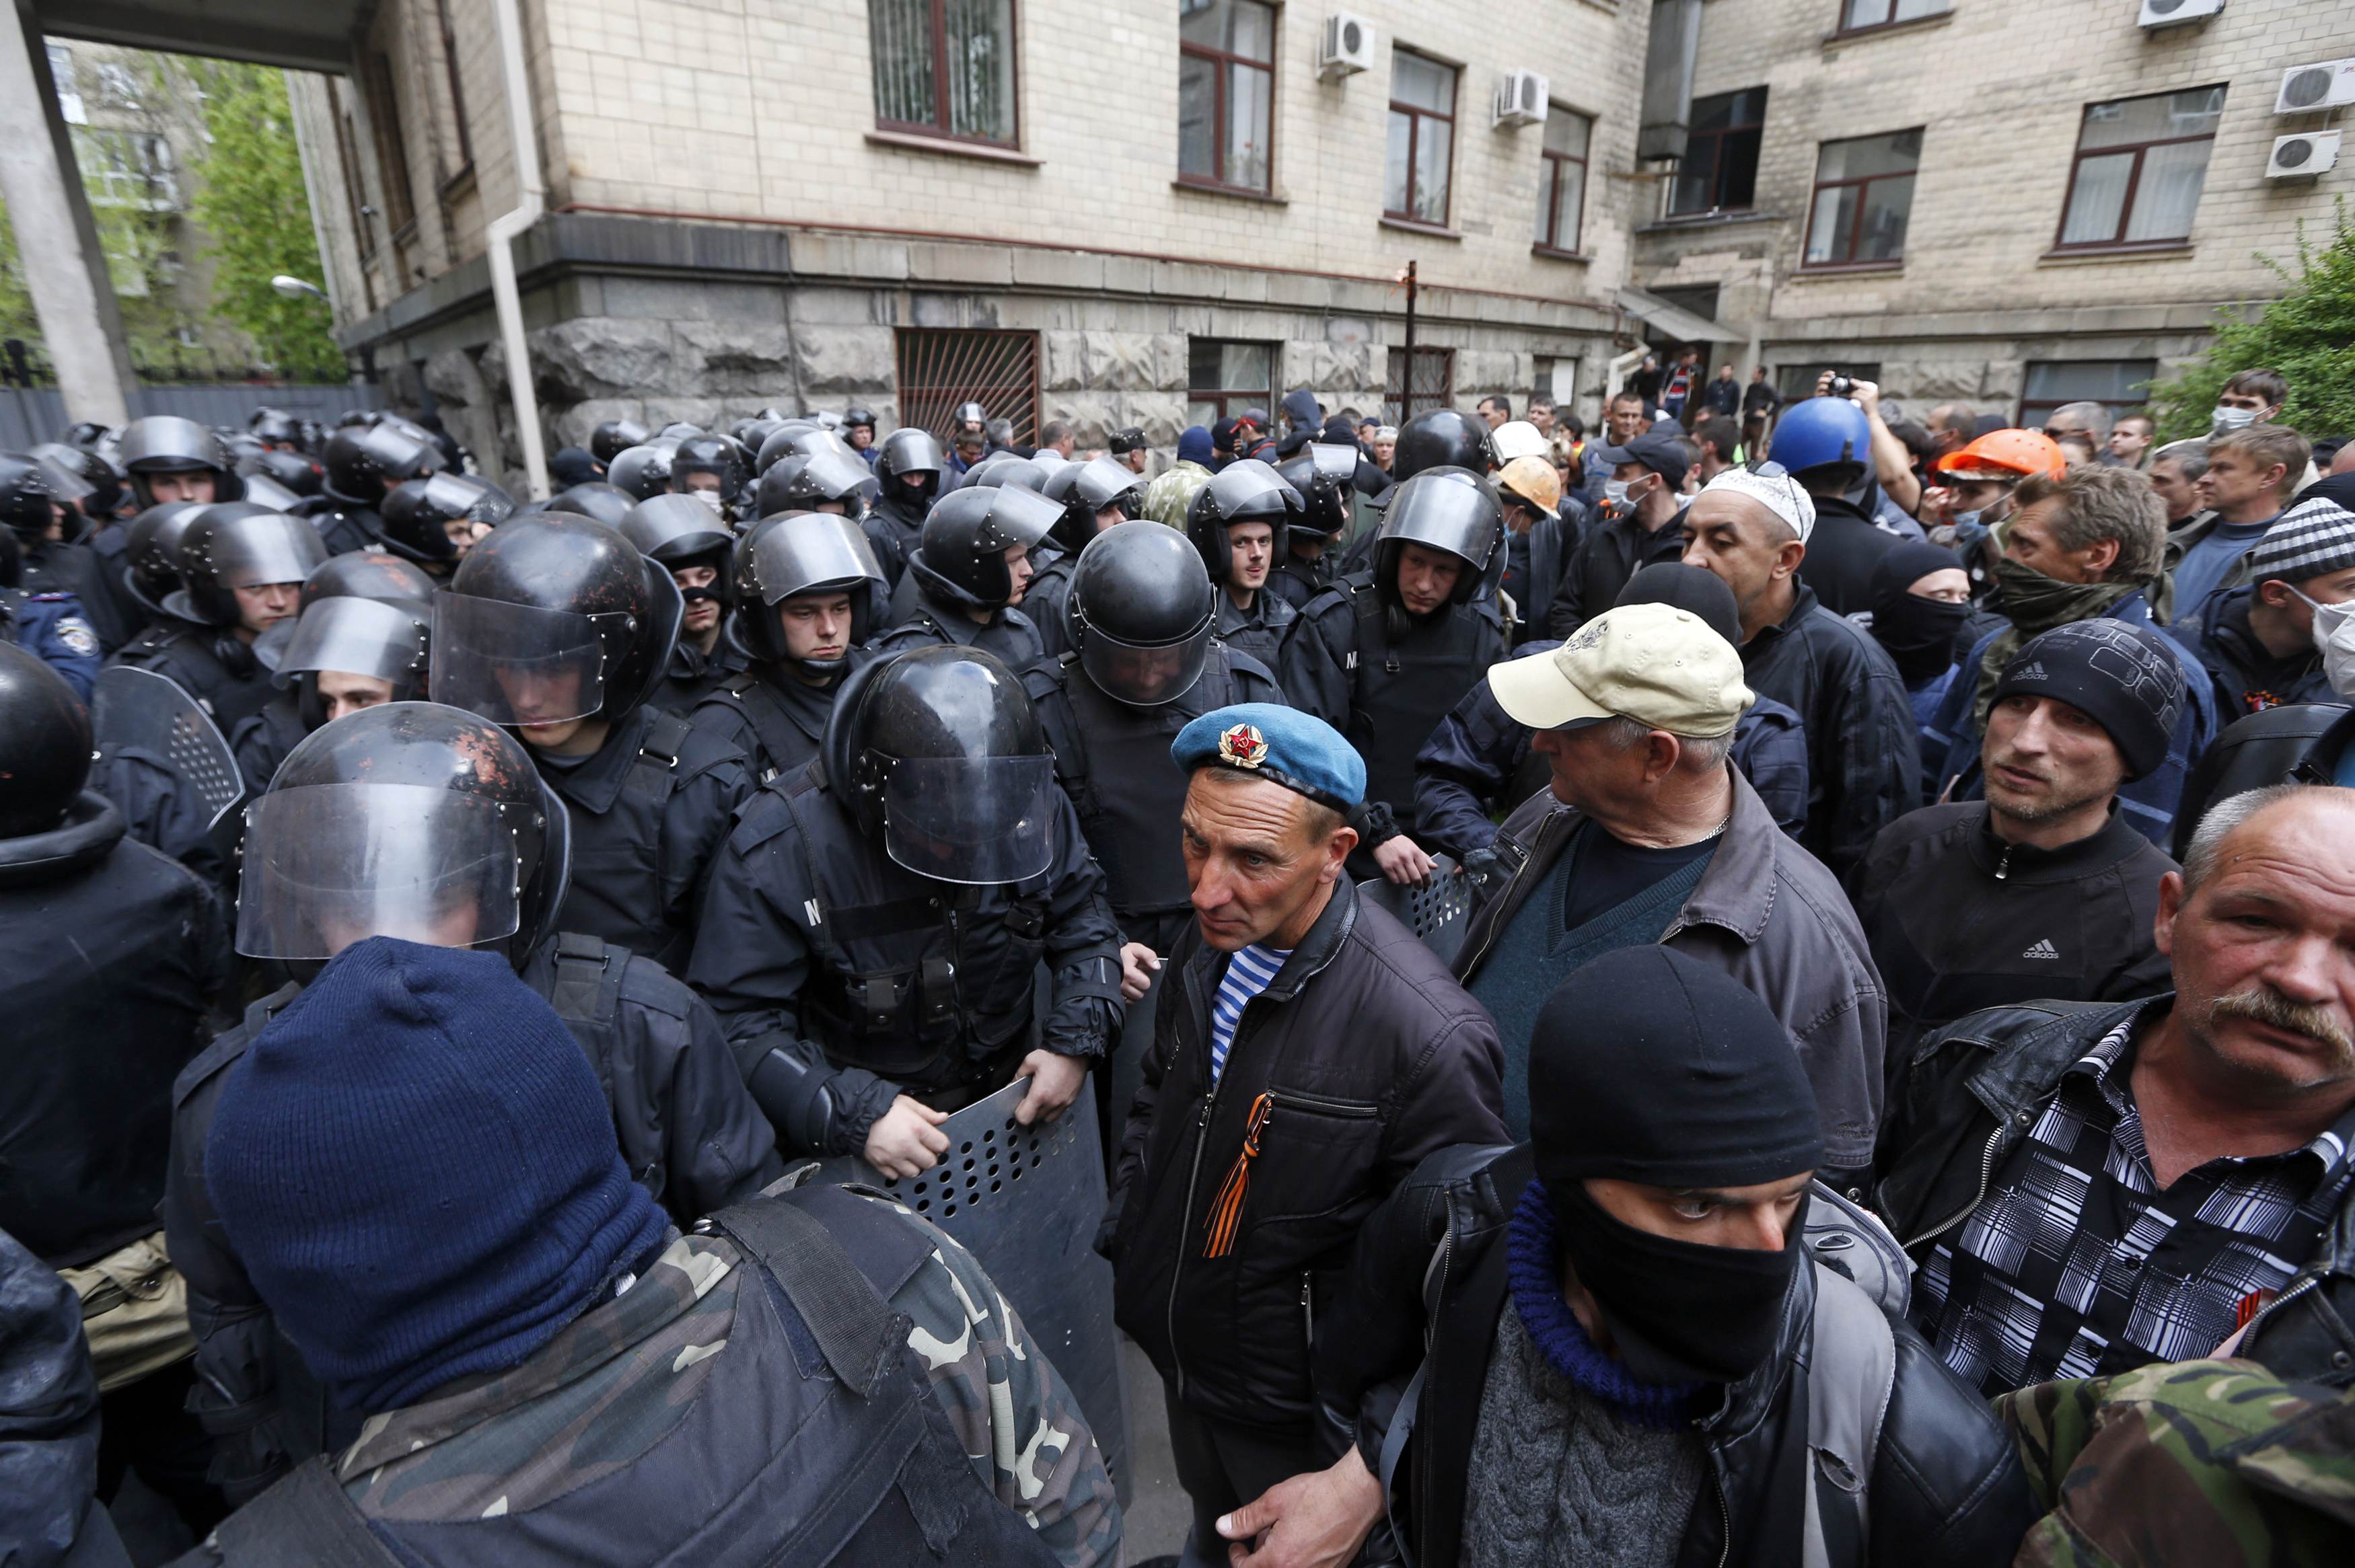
[(1818, 430)]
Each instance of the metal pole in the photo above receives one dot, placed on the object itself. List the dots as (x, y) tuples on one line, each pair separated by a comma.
[(1406, 382)]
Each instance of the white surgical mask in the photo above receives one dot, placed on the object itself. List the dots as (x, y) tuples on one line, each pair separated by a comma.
[(1615, 491), (2225, 419), (2334, 639), (708, 497)]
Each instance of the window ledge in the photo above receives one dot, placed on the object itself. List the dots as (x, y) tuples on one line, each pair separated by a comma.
[(1707, 220), (1834, 40), (911, 143), (457, 185), (1238, 193), (2168, 250), (1416, 226), (1549, 253), (1848, 270)]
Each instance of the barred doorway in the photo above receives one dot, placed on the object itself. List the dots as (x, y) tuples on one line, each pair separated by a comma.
[(941, 367)]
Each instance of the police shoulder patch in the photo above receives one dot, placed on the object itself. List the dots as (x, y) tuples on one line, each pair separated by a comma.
[(78, 637)]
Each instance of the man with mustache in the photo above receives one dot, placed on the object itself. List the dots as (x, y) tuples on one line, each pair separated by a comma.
[(2089, 1189)]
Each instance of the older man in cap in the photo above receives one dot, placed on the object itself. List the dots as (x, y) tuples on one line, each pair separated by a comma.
[(1307, 1052), (1647, 835)]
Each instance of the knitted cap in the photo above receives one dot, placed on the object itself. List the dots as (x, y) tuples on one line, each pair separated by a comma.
[(2121, 676), (2312, 539), (417, 1167)]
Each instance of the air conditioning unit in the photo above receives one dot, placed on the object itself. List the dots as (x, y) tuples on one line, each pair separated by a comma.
[(1347, 47), (2326, 84), (2175, 12), (1521, 98), (2303, 155)]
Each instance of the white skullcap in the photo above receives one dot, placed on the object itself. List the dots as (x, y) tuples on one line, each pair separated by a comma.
[(1781, 495)]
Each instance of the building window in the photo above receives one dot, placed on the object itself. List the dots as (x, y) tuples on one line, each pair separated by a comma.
[(61, 76), (115, 86), (1719, 172), (1856, 16), (1226, 92), (1797, 381), (1224, 378), (392, 151), (941, 367), (1864, 193), (457, 87), (2116, 384), (127, 168), (2139, 166), (1422, 138), (1433, 386), (1562, 185), (944, 68)]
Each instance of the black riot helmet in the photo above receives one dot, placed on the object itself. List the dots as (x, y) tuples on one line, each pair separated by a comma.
[(300, 474), (1246, 491), (797, 554), (363, 461), (1141, 612), (553, 616), (911, 453), (803, 438), (275, 428), (384, 638), (961, 553), (86, 433), (1450, 509), (1087, 489), (939, 751), (409, 819), (152, 551), (166, 443), (45, 746), (234, 545), (854, 418), (103, 484), (970, 414), (30, 492), (1442, 438), (606, 503), (417, 513), (677, 531), (12, 568), (806, 484), (643, 471), (368, 574), (1323, 472), (751, 433), (614, 436), (715, 455)]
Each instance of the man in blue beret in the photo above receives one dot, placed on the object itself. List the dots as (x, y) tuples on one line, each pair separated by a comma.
[(1307, 1052)]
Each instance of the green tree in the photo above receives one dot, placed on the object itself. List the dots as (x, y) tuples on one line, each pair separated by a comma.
[(2307, 334), (257, 220)]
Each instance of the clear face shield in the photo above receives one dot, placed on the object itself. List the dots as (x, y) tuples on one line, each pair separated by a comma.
[(514, 663), (794, 553), (357, 636), (987, 822), (1144, 677), (252, 552), (329, 865)]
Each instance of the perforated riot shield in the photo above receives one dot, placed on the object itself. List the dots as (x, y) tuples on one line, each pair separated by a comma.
[(138, 712), (1027, 1201), (1437, 912)]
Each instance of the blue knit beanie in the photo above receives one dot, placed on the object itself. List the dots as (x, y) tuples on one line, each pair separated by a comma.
[(418, 1169)]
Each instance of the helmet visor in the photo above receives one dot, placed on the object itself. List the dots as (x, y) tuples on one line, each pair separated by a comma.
[(797, 553), (514, 663), (273, 549), (988, 821), (1146, 677), (357, 636), (65, 484), (1452, 511), (1334, 462), (328, 864), (1020, 517)]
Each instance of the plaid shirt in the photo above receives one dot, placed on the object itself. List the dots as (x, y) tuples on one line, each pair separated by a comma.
[(2075, 1265)]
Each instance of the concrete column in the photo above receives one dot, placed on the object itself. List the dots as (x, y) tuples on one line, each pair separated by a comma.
[(57, 240)]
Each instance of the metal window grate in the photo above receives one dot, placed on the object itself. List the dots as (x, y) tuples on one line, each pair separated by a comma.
[(1435, 384), (941, 367)]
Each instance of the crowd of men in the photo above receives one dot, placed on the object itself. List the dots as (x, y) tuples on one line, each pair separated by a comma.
[(1772, 984)]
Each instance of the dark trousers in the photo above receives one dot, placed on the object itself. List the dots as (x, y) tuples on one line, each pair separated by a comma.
[(145, 1426), (1223, 1466)]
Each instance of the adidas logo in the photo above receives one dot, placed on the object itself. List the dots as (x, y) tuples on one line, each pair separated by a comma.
[(2043, 949), (2035, 671)]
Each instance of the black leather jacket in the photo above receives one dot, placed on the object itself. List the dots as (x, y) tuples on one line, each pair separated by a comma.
[(1945, 1487)]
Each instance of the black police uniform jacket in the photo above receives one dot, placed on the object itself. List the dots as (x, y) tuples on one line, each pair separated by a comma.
[(1360, 1058), (776, 721), (920, 621), (844, 978), (212, 663), (689, 1133), (113, 952), (261, 742), (649, 810), (1945, 1487), (692, 674)]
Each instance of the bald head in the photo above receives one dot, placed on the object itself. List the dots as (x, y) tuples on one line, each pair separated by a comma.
[(1754, 552)]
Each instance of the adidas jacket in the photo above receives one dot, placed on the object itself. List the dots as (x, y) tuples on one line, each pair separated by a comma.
[(1959, 921)]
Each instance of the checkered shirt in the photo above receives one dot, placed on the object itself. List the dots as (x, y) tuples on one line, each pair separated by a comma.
[(2075, 1265)]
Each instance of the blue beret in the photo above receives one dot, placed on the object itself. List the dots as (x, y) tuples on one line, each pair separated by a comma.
[(1282, 745)]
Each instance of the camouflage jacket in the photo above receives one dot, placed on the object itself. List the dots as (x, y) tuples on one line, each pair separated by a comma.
[(1171, 492), (2213, 1462), (621, 1377)]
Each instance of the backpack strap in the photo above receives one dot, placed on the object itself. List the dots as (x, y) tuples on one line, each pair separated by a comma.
[(861, 1339), (305, 1520), (586, 995), (1851, 1368), (654, 773), (771, 726)]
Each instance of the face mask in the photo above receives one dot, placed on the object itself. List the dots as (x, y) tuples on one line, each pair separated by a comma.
[(1615, 491), (1679, 1311), (2225, 419), (1919, 633), (708, 497), (2334, 639)]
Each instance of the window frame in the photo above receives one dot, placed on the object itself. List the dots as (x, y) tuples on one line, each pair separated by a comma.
[(1222, 398), (1415, 116), (1221, 62), (1546, 160), (1718, 167), (1395, 357), (2079, 153), (2042, 406), (1860, 183), (1845, 29), (937, 128), (448, 33)]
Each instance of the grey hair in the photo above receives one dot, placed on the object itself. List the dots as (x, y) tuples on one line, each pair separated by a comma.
[(2203, 856), (2190, 458), (1696, 752), (2095, 415)]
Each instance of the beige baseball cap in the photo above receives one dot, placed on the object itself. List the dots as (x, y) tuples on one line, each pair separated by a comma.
[(1661, 666)]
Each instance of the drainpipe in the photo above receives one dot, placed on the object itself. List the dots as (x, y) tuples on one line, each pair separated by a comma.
[(502, 235)]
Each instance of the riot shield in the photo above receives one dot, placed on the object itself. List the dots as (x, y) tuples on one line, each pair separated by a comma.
[(135, 710), (1438, 912), (1027, 1201)]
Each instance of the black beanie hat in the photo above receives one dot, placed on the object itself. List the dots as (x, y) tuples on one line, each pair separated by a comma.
[(2119, 675), (1690, 589), (1651, 1065)]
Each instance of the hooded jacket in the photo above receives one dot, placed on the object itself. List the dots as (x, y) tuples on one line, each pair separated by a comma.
[(1844, 547), (2247, 677)]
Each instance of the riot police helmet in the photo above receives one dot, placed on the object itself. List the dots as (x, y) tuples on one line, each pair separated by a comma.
[(275, 428), (363, 461), (298, 473), (417, 513), (368, 574), (86, 433), (751, 433), (1323, 472), (1141, 613), (799, 482), (852, 418), (910, 453), (643, 471), (32, 490), (1246, 491), (1451, 509), (676, 530), (166, 443), (715, 456), (553, 616), (12, 566), (794, 555), (385, 640), (614, 436), (605, 504), (970, 414), (679, 430), (803, 438), (1086, 491), (152, 551), (93, 483), (409, 819), (961, 553), (939, 752), (1442, 438), (235, 544), (45, 746)]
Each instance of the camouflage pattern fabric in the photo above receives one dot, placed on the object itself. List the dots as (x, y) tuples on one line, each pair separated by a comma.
[(617, 1381), (2217, 1463), (1172, 492)]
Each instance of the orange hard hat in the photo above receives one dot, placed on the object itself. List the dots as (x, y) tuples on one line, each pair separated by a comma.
[(2006, 454), (1535, 481)]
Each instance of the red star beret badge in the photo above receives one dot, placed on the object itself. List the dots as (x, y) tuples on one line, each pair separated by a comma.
[(1242, 747)]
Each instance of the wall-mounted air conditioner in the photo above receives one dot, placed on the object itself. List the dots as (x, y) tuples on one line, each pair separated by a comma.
[(2326, 84), (2175, 12), (1521, 98), (1347, 45), (2303, 155)]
